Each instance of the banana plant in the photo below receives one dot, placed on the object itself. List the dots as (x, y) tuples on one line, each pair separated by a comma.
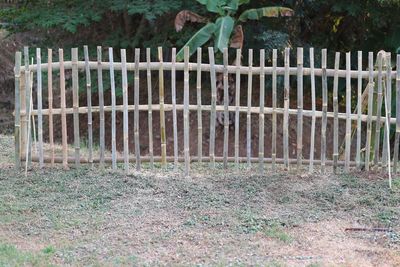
[(226, 29)]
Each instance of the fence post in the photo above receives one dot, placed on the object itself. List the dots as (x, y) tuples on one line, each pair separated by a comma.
[(213, 104), (312, 76), (273, 149), (136, 113), (348, 112), (63, 114), (249, 98), (335, 113), (162, 112), (299, 107), (396, 142), (186, 111), (286, 109), (17, 110), (324, 109), (149, 104), (226, 103), (370, 107), (261, 115), (174, 117)]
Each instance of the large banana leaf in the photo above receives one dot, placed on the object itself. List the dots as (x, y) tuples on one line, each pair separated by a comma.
[(197, 40), (212, 5), (224, 27), (257, 13)]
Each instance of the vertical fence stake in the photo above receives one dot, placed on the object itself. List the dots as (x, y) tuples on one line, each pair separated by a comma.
[(113, 113), (286, 109), (396, 142), (125, 115), (312, 143), (237, 105), (273, 149), (249, 98), (75, 92), (348, 112), (387, 119), (324, 109), (136, 113), (199, 115), (213, 104), (174, 118), (359, 109), (28, 107), (39, 105), (261, 115), (388, 98), (186, 110), (17, 112), (377, 161), (162, 111), (370, 107), (226, 103), (101, 104), (89, 105), (299, 107), (63, 113), (335, 113), (50, 100), (150, 111)]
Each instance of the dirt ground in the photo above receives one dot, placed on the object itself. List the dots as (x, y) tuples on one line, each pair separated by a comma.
[(214, 218)]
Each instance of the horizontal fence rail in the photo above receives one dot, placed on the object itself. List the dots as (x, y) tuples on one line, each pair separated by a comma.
[(364, 139)]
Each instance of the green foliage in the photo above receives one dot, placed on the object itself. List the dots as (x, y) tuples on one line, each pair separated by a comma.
[(226, 21)]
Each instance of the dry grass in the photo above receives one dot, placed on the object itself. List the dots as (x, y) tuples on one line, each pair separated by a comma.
[(99, 217)]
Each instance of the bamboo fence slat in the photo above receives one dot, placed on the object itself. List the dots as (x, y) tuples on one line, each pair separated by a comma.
[(136, 113), (336, 111), (17, 125), (186, 111), (324, 109), (273, 149), (377, 161), (286, 107), (75, 100), (39, 106), (386, 143), (149, 107), (199, 112), (261, 120), (299, 107), (63, 113), (27, 142), (226, 103), (174, 118), (359, 108), (113, 113), (237, 105), (89, 104), (348, 112), (312, 141), (125, 110), (388, 98), (50, 101), (162, 111), (101, 104), (397, 136), (370, 107), (213, 104), (249, 98)]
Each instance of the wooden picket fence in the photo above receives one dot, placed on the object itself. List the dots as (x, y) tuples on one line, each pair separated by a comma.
[(379, 79)]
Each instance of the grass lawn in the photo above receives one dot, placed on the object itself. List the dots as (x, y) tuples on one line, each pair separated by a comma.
[(214, 218)]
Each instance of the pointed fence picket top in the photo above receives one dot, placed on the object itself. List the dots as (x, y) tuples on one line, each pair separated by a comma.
[(347, 137)]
